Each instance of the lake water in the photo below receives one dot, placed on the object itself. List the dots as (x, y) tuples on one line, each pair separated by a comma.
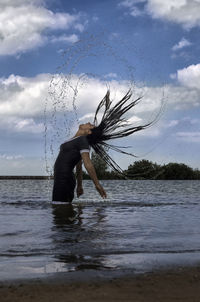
[(141, 226)]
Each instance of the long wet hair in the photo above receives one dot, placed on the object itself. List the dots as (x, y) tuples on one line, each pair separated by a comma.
[(113, 125)]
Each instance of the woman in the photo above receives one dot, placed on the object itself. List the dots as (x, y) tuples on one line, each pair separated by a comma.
[(112, 125), (71, 154)]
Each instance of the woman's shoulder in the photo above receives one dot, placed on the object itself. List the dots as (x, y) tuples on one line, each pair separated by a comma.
[(82, 142), (78, 140)]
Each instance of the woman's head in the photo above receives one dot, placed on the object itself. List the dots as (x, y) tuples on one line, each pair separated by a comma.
[(86, 128)]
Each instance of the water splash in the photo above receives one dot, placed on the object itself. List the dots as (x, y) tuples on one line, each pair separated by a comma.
[(61, 112), (73, 79)]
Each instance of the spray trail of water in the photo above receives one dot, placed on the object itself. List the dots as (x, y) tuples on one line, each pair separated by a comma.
[(61, 105), (60, 112)]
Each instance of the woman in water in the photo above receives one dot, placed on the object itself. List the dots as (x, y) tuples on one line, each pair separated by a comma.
[(76, 150), (71, 154)]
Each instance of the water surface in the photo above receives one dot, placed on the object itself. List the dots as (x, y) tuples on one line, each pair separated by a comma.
[(142, 226)]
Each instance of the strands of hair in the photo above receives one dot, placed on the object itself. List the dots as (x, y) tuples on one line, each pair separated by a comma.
[(114, 125)]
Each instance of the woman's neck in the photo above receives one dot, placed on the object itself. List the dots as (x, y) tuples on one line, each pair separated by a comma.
[(79, 133)]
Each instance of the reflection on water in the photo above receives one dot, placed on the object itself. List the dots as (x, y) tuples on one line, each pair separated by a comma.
[(68, 231), (142, 225), (65, 214)]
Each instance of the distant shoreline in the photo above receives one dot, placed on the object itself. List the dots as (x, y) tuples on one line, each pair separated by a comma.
[(25, 177), (40, 177)]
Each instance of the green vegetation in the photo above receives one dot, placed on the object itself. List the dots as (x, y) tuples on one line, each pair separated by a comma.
[(145, 169), (148, 170)]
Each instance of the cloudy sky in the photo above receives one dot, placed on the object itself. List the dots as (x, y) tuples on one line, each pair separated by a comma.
[(53, 52)]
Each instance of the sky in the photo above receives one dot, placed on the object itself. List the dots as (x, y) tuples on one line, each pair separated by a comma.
[(57, 56)]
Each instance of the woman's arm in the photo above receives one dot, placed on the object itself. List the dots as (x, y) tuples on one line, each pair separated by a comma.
[(79, 173), (79, 176), (91, 171)]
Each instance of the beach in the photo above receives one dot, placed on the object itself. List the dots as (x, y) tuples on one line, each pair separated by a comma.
[(180, 284)]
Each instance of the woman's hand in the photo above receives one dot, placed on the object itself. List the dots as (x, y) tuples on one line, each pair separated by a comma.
[(79, 191), (101, 191)]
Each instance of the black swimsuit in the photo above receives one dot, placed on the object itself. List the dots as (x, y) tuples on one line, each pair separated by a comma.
[(68, 157)]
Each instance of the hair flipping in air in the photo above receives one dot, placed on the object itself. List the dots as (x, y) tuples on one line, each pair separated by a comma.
[(113, 125)]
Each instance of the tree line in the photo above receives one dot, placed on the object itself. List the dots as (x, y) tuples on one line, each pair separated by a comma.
[(144, 169)]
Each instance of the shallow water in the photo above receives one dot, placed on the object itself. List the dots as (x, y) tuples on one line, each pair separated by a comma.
[(141, 226)]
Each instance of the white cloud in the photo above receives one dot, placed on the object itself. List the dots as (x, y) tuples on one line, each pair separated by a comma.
[(64, 38), (189, 137), (172, 123), (87, 117), (19, 165), (135, 11), (186, 122), (181, 97), (23, 25), (10, 157), (181, 44), (80, 27), (22, 99), (130, 3), (29, 125), (16, 124), (134, 119), (183, 12), (173, 76), (16, 3), (189, 76), (182, 54), (111, 75)]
